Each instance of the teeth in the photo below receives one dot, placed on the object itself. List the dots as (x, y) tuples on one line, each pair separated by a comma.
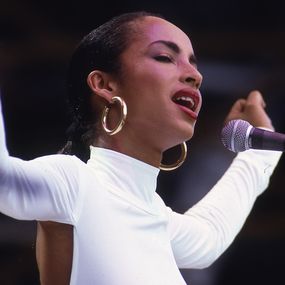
[(188, 99)]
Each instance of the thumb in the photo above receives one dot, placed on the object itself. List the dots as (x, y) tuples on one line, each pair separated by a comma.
[(238, 106), (236, 110), (255, 98)]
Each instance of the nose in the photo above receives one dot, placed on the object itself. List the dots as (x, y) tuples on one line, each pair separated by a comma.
[(192, 77)]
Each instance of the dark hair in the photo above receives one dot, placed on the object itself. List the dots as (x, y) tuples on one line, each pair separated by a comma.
[(101, 50)]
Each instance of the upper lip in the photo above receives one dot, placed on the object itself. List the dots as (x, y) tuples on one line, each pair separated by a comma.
[(194, 95)]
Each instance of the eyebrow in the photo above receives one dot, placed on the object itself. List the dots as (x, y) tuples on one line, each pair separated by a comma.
[(175, 48)]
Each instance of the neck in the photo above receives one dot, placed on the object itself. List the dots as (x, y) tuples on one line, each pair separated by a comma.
[(130, 146)]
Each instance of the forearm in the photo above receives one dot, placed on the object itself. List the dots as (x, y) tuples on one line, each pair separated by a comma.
[(205, 231), (225, 208), (3, 149), (13, 185)]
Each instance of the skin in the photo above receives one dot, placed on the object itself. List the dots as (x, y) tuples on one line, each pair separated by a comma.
[(154, 123), (54, 250), (251, 109)]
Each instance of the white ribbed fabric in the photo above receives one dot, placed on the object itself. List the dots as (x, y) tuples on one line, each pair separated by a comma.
[(123, 232)]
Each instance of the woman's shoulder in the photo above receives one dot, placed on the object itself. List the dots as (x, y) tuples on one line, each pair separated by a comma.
[(60, 161)]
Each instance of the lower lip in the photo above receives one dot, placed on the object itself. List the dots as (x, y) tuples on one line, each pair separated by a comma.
[(189, 112)]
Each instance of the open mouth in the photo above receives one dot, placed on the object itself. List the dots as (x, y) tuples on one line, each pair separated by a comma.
[(187, 102), (187, 98)]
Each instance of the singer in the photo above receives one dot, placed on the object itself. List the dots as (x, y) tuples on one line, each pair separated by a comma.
[(133, 86)]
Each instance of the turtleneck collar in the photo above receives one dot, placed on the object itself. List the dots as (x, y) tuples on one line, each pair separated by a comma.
[(128, 175)]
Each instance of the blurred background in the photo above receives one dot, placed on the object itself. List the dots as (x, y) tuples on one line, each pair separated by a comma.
[(240, 46)]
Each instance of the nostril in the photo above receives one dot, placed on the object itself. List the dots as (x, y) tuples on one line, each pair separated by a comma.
[(198, 85), (189, 80), (192, 81)]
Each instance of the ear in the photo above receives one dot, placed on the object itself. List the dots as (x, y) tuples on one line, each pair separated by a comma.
[(101, 84)]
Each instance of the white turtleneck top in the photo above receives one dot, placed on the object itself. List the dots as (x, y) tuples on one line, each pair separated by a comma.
[(124, 234)]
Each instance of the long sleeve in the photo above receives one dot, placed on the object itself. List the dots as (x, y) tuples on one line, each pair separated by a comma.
[(3, 149), (40, 189), (204, 232)]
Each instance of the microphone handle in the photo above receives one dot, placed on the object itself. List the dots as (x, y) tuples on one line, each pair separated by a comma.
[(266, 140)]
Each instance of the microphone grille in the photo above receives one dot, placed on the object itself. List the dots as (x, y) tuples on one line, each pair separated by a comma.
[(234, 135)]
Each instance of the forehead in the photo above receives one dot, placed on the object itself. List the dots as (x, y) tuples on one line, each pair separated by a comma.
[(152, 29)]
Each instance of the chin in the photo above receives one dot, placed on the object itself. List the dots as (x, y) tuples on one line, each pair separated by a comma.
[(189, 132), (182, 134), (186, 137), (189, 138)]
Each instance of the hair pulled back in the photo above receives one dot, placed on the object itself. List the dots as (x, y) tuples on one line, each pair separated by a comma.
[(99, 50)]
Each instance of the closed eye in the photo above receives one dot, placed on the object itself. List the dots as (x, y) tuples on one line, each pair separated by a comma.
[(163, 58)]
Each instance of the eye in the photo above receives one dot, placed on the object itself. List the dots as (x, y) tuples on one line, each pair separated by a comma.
[(163, 58)]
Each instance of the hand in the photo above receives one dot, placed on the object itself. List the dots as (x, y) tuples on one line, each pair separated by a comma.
[(251, 110)]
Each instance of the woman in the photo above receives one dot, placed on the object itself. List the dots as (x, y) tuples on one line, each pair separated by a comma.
[(101, 222)]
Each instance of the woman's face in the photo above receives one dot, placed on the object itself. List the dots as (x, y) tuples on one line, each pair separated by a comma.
[(160, 84)]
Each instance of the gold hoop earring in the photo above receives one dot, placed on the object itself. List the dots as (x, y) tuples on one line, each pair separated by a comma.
[(122, 121), (178, 163)]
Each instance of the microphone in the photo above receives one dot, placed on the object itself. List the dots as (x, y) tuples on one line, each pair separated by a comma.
[(239, 135)]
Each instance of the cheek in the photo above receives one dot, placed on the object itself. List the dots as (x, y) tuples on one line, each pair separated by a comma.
[(147, 88), (150, 80)]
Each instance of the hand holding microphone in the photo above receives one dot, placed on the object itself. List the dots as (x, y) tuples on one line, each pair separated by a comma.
[(252, 110), (245, 123)]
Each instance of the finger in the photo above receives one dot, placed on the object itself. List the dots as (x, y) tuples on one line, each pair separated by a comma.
[(236, 111), (238, 106), (255, 98)]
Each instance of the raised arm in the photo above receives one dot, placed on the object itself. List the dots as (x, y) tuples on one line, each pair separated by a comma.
[(206, 230), (3, 149), (40, 189)]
